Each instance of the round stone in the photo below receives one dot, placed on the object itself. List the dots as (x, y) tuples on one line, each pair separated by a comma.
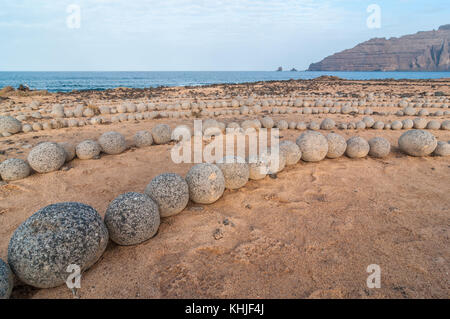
[(235, 170), (369, 121), (357, 147), (132, 218), (313, 125), (313, 145), (9, 124), (143, 139), (69, 149), (433, 125), (407, 124), (420, 123), (55, 237), (6, 280), (112, 143), (360, 125), (417, 143), (282, 125), (257, 167), (336, 145), (46, 157), (442, 149), (378, 125), (171, 193), (162, 134), (206, 183), (275, 159), (327, 124), (301, 126), (14, 169), (445, 125), (291, 151), (88, 149), (396, 125), (379, 147)]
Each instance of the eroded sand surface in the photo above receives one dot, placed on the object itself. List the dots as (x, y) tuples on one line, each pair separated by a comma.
[(309, 233)]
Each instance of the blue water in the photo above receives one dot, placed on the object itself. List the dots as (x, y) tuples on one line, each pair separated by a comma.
[(68, 81)]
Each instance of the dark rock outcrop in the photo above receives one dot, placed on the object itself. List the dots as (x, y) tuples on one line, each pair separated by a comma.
[(423, 51)]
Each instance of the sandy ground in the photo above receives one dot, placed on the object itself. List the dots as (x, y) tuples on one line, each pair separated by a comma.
[(309, 233)]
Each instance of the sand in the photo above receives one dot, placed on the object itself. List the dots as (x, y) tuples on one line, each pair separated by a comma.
[(309, 233)]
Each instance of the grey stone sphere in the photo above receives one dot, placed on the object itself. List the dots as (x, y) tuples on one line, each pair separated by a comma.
[(258, 167), (14, 169), (396, 125), (313, 145), (112, 143), (162, 134), (9, 124), (235, 170), (379, 147), (417, 143), (132, 218), (282, 125), (46, 157), (291, 152), (206, 183), (336, 145), (433, 125), (88, 149), (420, 123), (442, 149), (275, 159), (53, 238), (357, 147), (6, 280), (369, 121), (445, 125), (327, 124), (69, 149), (313, 125), (143, 139), (378, 125), (407, 124), (170, 192)]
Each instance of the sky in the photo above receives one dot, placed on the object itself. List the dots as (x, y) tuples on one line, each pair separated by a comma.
[(197, 35)]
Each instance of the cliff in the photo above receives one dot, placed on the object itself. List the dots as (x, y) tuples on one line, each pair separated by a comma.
[(423, 51)]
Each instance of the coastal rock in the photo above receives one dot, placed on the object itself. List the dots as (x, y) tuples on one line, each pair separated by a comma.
[(171, 193), (14, 169), (46, 157), (132, 218), (206, 183), (6, 280), (112, 143), (313, 145), (56, 236), (417, 143)]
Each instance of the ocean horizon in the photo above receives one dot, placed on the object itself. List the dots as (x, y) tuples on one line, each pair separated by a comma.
[(67, 81)]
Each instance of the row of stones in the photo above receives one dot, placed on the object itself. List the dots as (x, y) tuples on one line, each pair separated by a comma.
[(48, 157), (63, 234), (60, 110), (10, 125)]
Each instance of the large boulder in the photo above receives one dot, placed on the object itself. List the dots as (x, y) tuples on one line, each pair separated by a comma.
[(417, 143), (313, 145), (53, 238)]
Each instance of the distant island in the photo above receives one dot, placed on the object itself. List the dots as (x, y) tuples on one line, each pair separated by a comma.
[(423, 51)]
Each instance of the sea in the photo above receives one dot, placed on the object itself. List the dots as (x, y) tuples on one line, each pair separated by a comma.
[(70, 81)]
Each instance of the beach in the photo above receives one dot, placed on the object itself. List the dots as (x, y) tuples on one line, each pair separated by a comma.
[(311, 231)]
